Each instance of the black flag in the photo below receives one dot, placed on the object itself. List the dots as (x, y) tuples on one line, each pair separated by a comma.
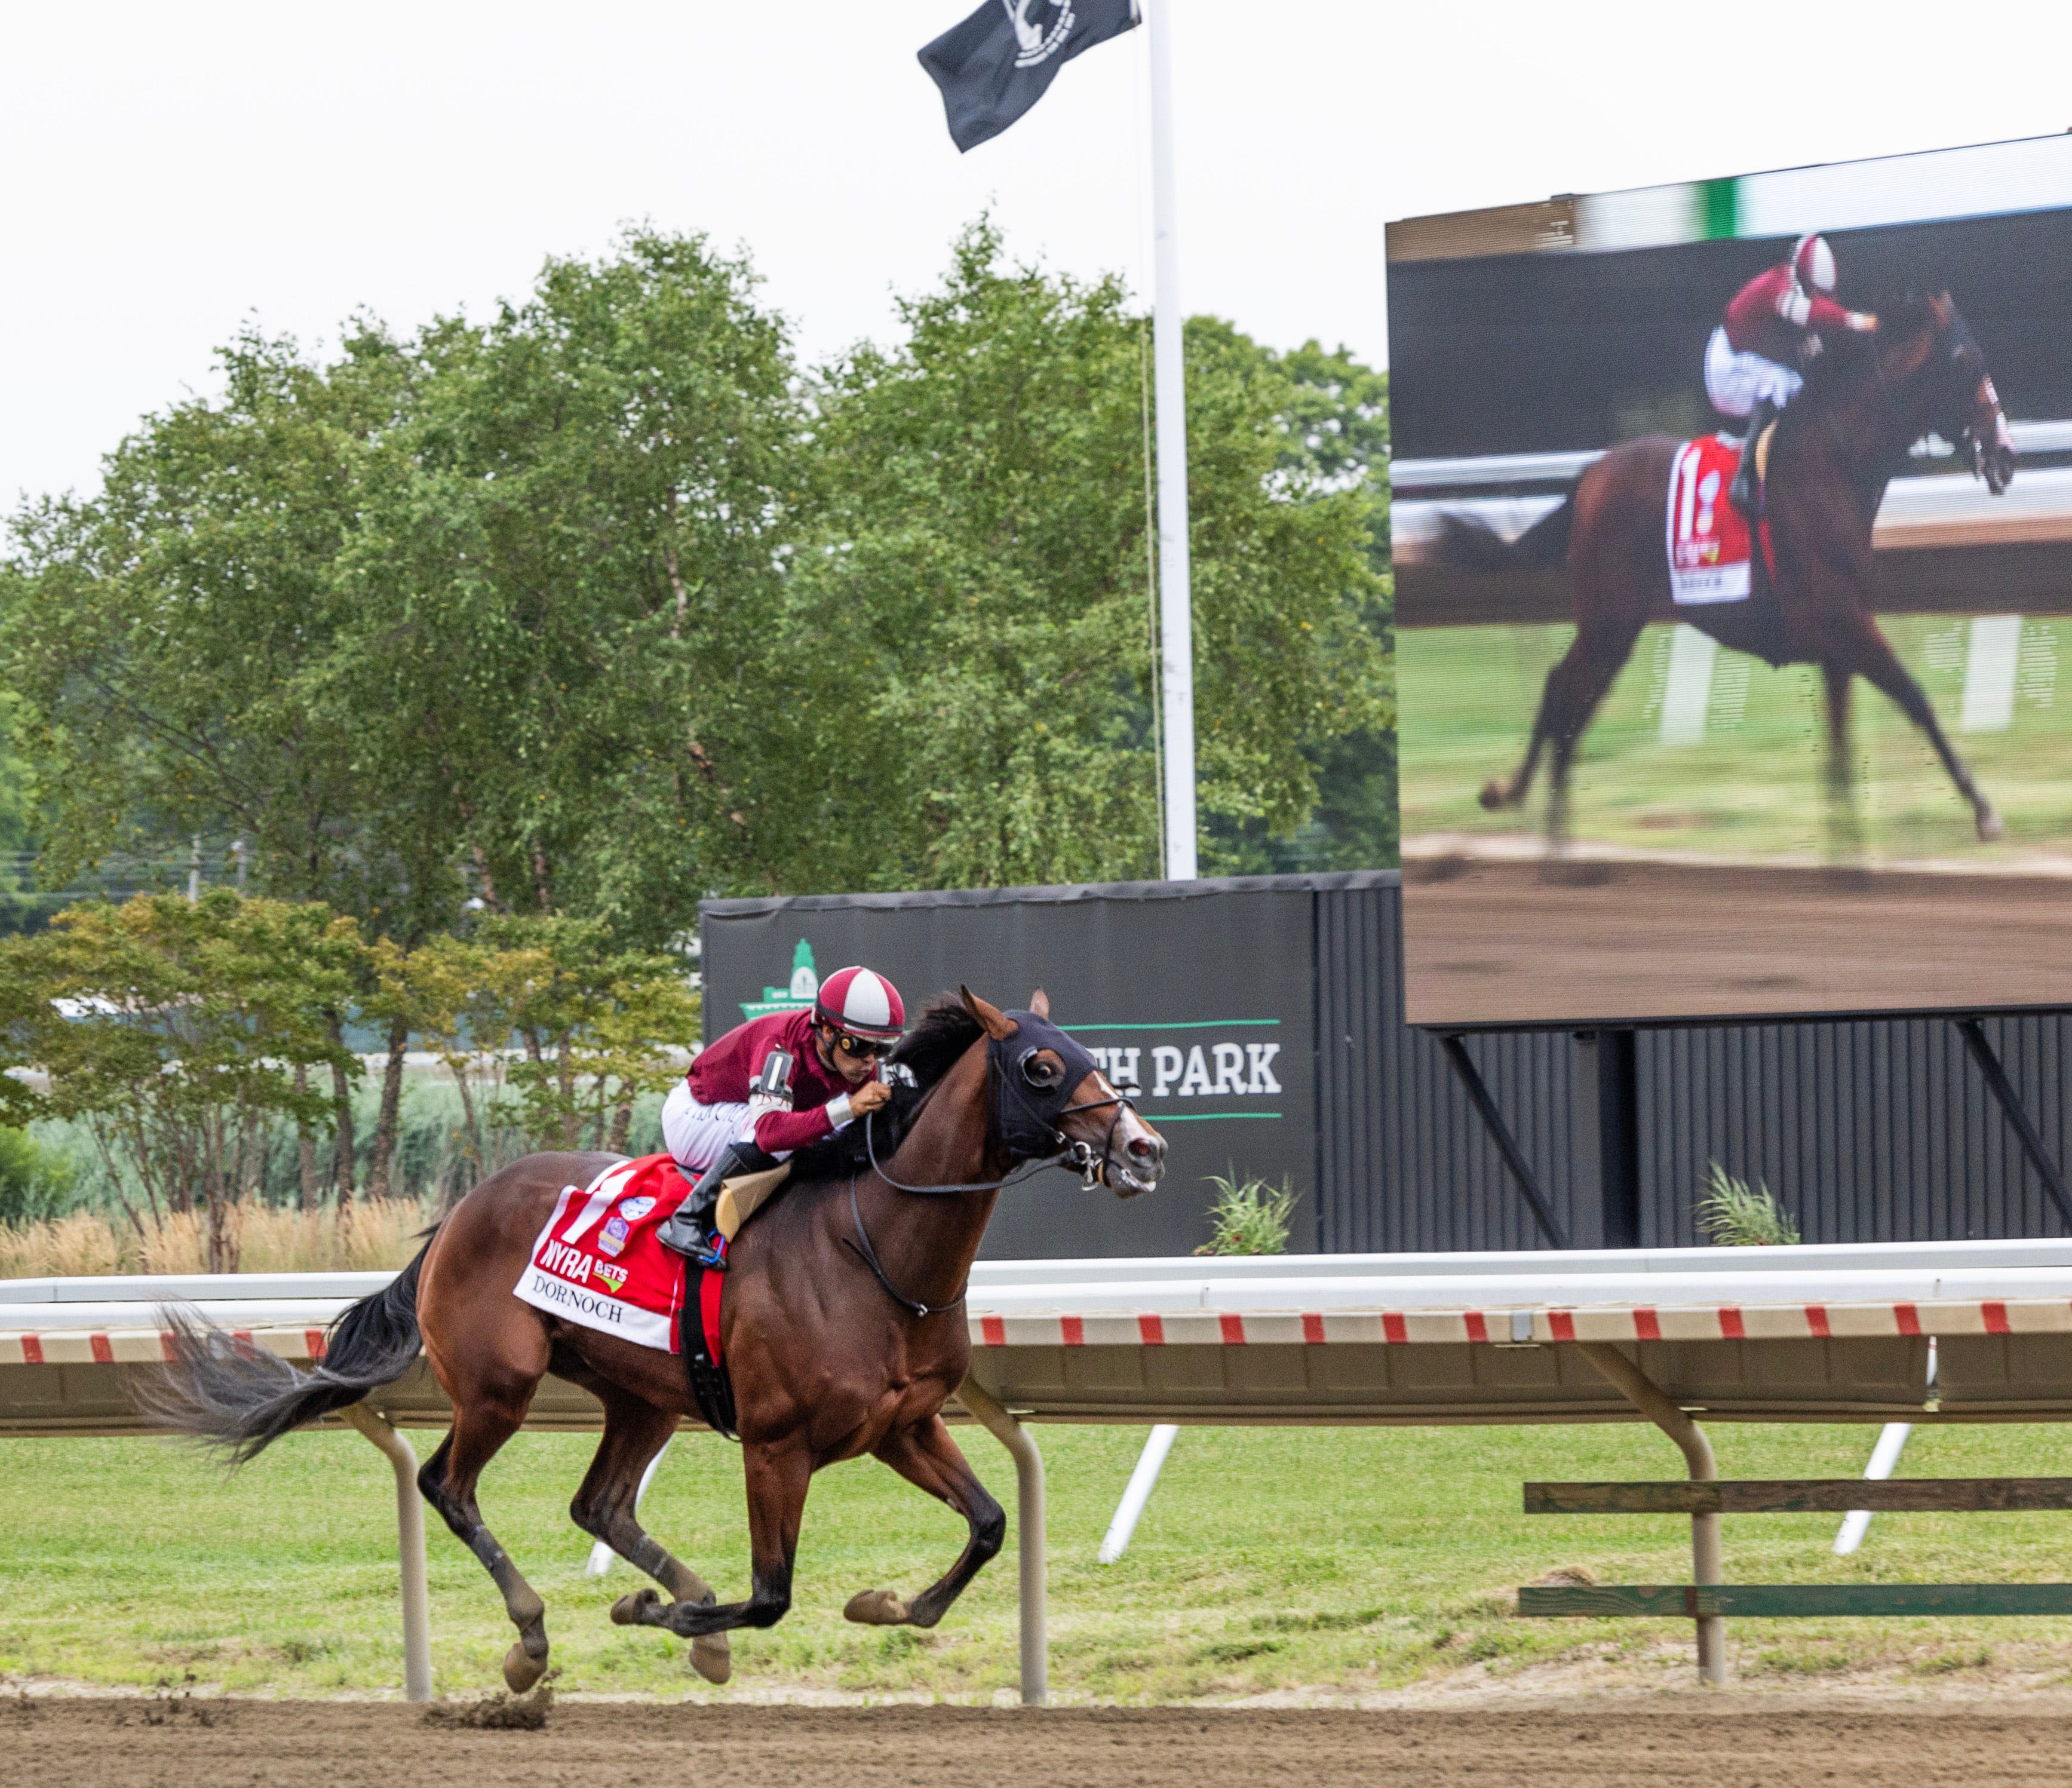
[(999, 61)]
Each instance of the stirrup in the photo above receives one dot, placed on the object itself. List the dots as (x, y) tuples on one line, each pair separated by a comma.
[(710, 1254)]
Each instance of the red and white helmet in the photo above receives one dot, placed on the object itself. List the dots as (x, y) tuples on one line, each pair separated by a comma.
[(1814, 262), (861, 1003)]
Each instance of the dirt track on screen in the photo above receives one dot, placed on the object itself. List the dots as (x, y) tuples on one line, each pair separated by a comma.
[(105, 1743), (1497, 942)]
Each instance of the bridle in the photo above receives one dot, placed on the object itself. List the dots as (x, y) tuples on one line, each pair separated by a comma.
[(1090, 1163)]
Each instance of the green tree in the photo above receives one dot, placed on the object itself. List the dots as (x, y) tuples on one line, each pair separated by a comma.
[(172, 644), (598, 1026), (973, 614), (172, 1030), (1334, 436), (560, 619)]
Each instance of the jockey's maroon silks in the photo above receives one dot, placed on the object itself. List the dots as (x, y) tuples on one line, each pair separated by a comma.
[(1772, 315), (726, 1073)]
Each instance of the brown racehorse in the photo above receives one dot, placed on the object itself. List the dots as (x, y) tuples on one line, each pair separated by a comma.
[(831, 1356), (1866, 401)]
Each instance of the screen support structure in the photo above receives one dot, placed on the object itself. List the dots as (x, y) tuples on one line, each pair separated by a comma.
[(1521, 1170), (1608, 1078), (2002, 1089)]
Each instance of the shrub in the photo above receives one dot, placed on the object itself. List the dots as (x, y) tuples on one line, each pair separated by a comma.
[(35, 1181), (1249, 1216), (1733, 1216)]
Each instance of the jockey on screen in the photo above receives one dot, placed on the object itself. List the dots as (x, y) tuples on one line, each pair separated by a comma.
[(772, 1086), (1773, 325)]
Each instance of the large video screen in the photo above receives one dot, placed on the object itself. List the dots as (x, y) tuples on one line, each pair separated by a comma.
[(1691, 729)]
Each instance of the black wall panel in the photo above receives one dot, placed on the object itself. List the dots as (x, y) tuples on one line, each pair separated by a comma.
[(1877, 1131)]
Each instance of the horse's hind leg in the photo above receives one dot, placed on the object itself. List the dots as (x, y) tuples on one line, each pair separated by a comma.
[(1496, 795), (779, 1475), (1840, 776), (447, 1482), (926, 1456), (1574, 687), (634, 1431)]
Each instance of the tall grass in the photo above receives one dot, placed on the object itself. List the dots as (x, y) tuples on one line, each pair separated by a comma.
[(363, 1237), (1734, 1214), (60, 1215)]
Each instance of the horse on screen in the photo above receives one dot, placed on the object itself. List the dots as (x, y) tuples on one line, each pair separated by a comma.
[(1647, 536)]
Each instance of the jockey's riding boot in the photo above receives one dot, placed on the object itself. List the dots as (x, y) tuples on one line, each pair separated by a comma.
[(690, 1231), (1745, 492)]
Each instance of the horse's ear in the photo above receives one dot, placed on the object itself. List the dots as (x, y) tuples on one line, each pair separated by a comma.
[(1039, 1003), (994, 1022)]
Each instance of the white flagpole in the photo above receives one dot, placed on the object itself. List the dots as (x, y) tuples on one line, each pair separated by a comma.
[(1176, 623)]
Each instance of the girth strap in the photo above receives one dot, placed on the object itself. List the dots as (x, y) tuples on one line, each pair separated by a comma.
[(712, 1385)]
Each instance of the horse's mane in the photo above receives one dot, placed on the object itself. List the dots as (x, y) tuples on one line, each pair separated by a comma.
[(1850, 359), (927, 1052), (934, 1045)]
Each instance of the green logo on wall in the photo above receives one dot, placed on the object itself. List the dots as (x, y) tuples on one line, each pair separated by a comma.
[(805, 986)]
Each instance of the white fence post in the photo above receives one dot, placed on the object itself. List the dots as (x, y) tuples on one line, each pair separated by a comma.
[(1029, 1483), (410, 1550)]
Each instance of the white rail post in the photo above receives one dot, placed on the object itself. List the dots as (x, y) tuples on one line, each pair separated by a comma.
[(1884, 1461), (1884, 1457), (1028, 1497), (1646, 1396), (1130, 1509), (410, 1550)]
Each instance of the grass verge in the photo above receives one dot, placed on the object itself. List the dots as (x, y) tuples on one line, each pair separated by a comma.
[(1334, 1561)]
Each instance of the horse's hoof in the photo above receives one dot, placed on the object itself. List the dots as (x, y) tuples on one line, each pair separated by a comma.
[(631, 1609), (711, 1659), (521, 1672), (876, 1608), (1492, 795), (1991, 825)]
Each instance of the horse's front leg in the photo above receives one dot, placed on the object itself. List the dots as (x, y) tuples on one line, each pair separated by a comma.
[(924, 1454), (1880, 666), (778, 1475)]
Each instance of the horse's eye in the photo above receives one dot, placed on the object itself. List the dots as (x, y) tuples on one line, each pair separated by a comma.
[(1040, 1073)]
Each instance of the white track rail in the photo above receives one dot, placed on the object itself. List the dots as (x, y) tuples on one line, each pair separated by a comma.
[(1803, 1333)]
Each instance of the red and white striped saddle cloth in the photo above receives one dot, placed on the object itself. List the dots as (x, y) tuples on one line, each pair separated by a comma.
[(1709, 537), (598, 1263)]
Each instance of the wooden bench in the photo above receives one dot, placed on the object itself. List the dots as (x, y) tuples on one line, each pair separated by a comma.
[(1708, 1601)]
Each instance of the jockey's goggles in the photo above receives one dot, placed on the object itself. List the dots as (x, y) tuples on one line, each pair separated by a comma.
[(863, 1049)]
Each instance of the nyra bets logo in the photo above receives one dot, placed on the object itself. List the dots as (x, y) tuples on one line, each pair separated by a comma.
[(1038, 42)]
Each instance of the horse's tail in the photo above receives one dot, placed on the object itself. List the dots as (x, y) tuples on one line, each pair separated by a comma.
[(1470, 543), (225, 1390)]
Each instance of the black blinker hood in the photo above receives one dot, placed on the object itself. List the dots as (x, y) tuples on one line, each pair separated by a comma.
[(1029, 1115)]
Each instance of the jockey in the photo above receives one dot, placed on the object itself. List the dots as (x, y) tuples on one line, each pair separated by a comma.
[(770, 1087), (1772, 327)]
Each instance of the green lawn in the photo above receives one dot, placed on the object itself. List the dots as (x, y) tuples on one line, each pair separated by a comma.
[(1337, 1560), (1752, 788)]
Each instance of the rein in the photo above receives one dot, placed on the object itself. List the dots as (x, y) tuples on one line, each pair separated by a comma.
[(862, 1249)]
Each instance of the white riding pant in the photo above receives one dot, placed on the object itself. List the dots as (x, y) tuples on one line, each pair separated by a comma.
[(1737, 382), (695, 1134)]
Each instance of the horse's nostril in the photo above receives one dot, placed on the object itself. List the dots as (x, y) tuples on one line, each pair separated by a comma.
[(1146, 1147)]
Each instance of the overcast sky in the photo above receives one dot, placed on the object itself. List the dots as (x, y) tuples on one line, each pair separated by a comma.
[(170, 171)]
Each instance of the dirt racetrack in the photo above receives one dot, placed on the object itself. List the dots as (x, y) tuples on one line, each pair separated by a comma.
[(129, 1743), (1503, 940)]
